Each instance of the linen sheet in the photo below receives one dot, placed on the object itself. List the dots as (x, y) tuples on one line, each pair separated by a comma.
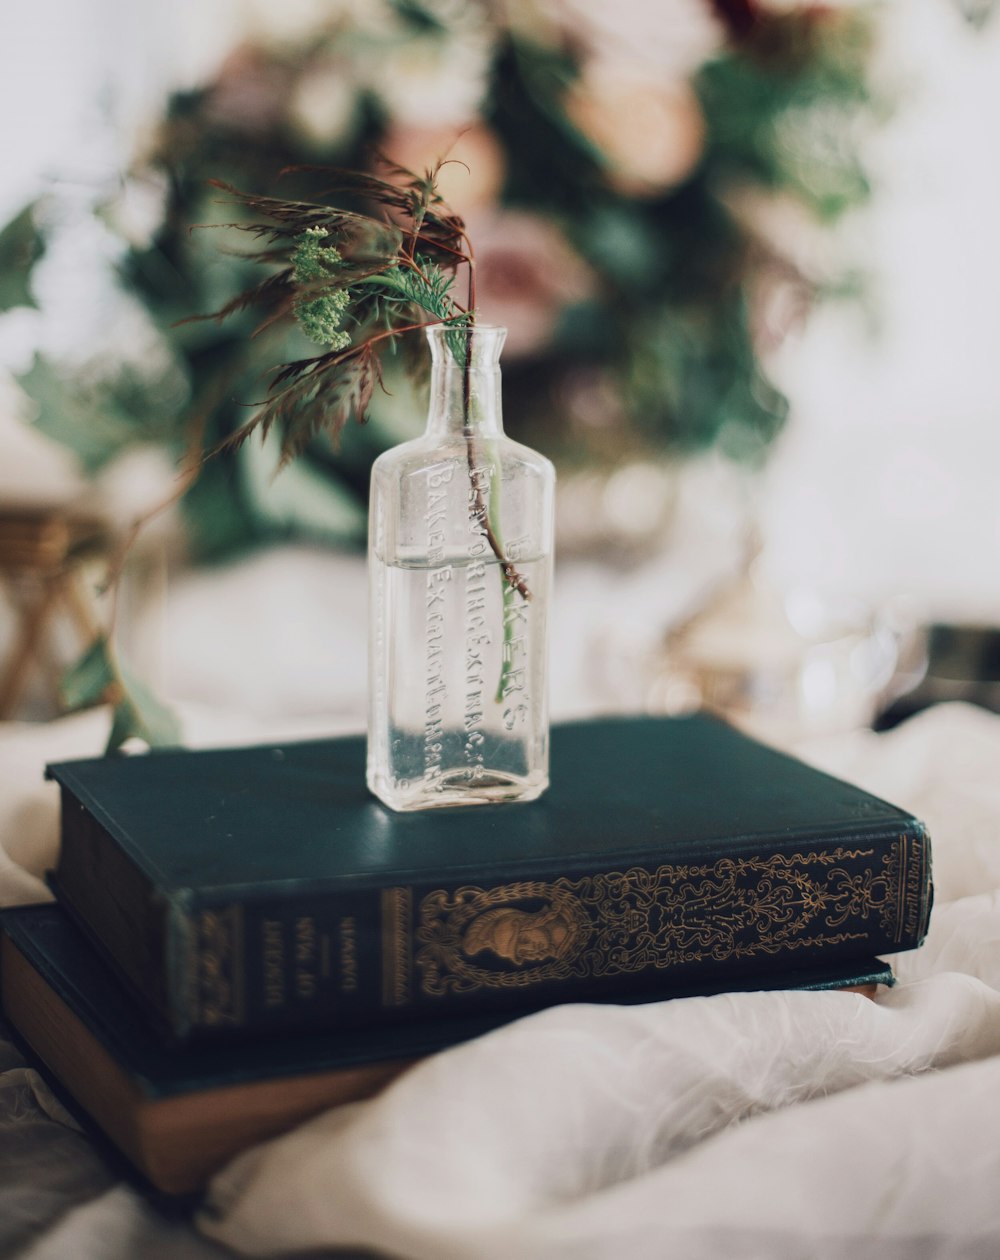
[(773, 1124)]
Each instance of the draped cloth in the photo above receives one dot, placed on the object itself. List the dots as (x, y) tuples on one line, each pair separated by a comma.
[(776, 1125), (780, 1124)]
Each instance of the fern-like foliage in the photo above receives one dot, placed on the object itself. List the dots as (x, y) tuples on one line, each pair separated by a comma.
[(354, 280), (310, 396), (423, 284)]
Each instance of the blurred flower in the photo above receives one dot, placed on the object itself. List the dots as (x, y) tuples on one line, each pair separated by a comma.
[(293, 21), (784, 225), (137, 208), (792, 256), (473, 177), (250, 92), (666, 38), (433, 80), (820, 7), (673, 264), (651, 133), (324, 102), (525, 274)]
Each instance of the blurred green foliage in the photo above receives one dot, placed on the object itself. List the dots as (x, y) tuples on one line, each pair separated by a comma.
[(667, 324)]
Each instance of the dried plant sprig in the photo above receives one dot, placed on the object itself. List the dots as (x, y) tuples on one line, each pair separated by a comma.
[(354, 282)]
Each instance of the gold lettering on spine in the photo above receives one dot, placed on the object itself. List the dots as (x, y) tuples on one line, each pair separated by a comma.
[(906, 873), (397, 918), (273, 960), (349, 955), (239, 966), (901, 889), (306, 957), (916, 899), (220, 966)]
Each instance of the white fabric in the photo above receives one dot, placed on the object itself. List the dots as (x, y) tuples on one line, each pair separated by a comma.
[(776, 1125), (585, 1132), (769, 1124)]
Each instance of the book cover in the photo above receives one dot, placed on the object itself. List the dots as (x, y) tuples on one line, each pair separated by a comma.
[(179, 1114), (264, 888)]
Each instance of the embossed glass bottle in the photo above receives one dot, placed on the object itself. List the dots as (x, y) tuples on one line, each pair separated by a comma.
[(460, 563)]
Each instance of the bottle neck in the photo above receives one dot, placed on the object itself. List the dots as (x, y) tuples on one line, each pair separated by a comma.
[(465, 381)]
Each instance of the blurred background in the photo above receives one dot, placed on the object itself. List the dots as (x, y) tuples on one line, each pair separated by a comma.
[(747, 256)]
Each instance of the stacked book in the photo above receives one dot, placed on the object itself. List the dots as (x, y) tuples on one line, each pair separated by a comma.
[(244, 936)]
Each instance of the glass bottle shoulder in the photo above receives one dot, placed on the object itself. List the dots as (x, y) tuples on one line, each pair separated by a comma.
[(424, 455)]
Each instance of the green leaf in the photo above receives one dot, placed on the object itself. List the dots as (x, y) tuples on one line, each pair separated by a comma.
[(620, 240), (141, 713), (300, 500), (87, 682), (421, 18), (430, 291), (96, 421), (787, 117), (99, 678), (122, 727), (21, 245)]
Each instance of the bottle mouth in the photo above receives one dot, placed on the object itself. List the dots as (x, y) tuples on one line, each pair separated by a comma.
[(437, 330), (481, 342)]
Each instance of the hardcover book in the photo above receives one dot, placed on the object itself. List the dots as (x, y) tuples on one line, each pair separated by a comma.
[(264, 888), (180, 1114)]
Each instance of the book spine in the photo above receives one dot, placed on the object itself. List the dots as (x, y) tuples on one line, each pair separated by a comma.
[(360, 955)]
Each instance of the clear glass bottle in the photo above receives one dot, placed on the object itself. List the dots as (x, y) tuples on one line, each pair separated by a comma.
[(460, 564)]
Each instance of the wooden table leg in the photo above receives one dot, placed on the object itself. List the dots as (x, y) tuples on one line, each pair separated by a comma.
[(33, 617)]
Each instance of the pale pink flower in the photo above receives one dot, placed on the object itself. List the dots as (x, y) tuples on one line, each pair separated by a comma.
[(526, 274), (324, 101), (650, 131), (668, 39), (250, 91), (473, 175)]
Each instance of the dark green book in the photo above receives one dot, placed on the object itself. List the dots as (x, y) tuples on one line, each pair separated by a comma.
[(179, 1114), (264, 888)]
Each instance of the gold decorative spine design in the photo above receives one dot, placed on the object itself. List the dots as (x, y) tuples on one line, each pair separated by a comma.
[(397, 937), (221, 966), (620, 923)]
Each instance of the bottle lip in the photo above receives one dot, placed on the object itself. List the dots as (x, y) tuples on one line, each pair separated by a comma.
[(486, 341), (434, 330)]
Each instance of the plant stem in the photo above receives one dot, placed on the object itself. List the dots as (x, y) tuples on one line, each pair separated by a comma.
[(510, 580), (479, 510), (514, 579)]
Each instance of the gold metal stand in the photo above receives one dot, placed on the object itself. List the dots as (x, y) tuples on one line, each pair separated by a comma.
[(40, 559)]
